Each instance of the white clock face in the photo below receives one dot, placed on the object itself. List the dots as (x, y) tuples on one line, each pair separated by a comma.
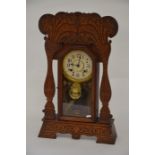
[(77, 66)]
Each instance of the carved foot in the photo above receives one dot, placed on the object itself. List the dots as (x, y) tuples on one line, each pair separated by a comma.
[(48, 135), (53, 136), (101, 139), (75, 136)]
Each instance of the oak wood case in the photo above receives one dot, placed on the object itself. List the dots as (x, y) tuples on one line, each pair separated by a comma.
[(65, 31)]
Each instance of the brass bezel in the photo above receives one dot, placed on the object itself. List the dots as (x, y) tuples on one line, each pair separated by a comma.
[(70, 77)]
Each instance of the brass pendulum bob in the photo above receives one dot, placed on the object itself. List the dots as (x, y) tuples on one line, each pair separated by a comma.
[(75, 91)]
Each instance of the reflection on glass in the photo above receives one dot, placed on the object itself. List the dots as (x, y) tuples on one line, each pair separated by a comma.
[(81, 106)]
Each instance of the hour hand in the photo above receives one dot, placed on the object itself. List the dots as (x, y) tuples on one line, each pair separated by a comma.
[(70, 69), (78, 65)]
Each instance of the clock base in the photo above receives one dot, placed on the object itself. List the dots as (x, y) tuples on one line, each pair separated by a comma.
[(105, 133)]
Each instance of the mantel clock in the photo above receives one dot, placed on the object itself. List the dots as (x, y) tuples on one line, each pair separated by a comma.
[(79, 41)]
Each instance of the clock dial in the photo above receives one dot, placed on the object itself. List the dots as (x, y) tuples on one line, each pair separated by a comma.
[(77, 66)]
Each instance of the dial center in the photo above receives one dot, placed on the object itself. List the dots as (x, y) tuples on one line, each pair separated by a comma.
[(78, 66)]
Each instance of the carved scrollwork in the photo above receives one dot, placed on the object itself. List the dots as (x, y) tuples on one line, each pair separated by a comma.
[(102, 132), (62, 25)]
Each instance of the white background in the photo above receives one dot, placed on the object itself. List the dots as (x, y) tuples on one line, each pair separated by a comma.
[(13, 80), (36, 73)]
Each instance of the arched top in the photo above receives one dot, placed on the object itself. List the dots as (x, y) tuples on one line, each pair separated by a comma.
[(68, 48)]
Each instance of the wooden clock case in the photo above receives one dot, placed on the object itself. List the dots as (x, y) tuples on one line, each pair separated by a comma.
[(89, 32)]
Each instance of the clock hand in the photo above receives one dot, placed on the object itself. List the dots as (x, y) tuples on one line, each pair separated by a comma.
[(70, 69), (78, 62)]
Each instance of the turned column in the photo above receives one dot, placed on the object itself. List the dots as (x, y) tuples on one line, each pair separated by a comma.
[(49, 86), (109, 29), (105, 89)]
